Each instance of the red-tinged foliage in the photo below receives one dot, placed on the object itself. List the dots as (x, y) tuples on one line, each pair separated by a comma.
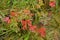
[(29, 22), (42, 31), (13, 13), (24, 27), (6, 19), (24, 24), (52, 3), (32, 28), (29, 19)]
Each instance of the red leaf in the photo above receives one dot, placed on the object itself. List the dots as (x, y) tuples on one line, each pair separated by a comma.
[(42, 31), (13, 13), (52, 3), (32, 28), (24, 24), (6, 19), (29, 22)]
